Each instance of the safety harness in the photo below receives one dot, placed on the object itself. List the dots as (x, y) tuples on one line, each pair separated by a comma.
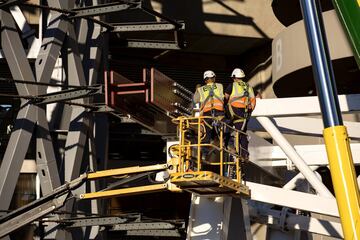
[(212, 97), (244, 101), (219, 105)]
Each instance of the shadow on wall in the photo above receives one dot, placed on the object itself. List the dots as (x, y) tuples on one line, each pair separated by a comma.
[(135, 15), (192, 12)]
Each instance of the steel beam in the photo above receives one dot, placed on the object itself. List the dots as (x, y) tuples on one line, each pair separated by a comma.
[(82, 71), (314, 155), (50, 48), (60, 28), (38, 208), (15, 54), (293, 199), (76, 139), (307, 126), (31, 215), (25, 122), (297, 106), (156, 232), (78, 129), (145, 26), (46, 162), (27, 32), (152, 44), (60, 4), (66, 95), (293, 221), (142, 225), (294, 157), (15, 154), (104, 9), (45, 156), (93, 221), (45, 62), (94, 64)]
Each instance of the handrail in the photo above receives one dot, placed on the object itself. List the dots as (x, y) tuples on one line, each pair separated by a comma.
[(191, 149)]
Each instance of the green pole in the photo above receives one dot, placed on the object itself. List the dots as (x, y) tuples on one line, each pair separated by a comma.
[(349, 14)]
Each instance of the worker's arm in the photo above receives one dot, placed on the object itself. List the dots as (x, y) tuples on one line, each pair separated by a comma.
[(227, 94), (196, 97), (252, 98)]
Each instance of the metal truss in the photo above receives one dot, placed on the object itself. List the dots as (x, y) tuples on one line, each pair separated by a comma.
[(131, 225), (88, 12), (68, 27)]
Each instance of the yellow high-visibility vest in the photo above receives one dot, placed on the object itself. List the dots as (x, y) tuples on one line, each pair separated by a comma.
[(211, 97), (242, 96)]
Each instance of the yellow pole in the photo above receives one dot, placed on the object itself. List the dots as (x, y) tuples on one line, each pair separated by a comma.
[(181, 145), (344, 180), (199, 144), (221, 152), (237, 158)]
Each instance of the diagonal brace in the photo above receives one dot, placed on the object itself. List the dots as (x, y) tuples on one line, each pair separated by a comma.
[(104, 9), (39, 208), (66, 95)]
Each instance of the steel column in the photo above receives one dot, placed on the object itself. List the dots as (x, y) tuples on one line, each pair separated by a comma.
[(76, 139), (78, 129), (92, 43), (336, 138), (15, 154), (45, 62), (320, 58), (25, 121)]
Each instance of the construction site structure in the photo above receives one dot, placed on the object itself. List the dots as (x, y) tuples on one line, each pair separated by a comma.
[(78, 75)]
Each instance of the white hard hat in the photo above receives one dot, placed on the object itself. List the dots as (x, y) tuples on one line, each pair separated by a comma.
[(209, 74), (238, 73)]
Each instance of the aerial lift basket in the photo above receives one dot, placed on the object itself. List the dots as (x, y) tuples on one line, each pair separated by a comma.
[(208, 168)]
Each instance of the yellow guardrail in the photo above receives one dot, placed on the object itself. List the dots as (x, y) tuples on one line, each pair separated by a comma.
[(194, 153)]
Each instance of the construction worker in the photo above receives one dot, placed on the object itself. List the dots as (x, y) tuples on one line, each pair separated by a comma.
[(211, 99), (241, 101)]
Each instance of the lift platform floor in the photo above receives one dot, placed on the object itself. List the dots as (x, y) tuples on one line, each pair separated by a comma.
[(208, 183)]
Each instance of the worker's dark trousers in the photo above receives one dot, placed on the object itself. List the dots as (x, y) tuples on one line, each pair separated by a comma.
[(211, 135), (244, 143), (209, 129)]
